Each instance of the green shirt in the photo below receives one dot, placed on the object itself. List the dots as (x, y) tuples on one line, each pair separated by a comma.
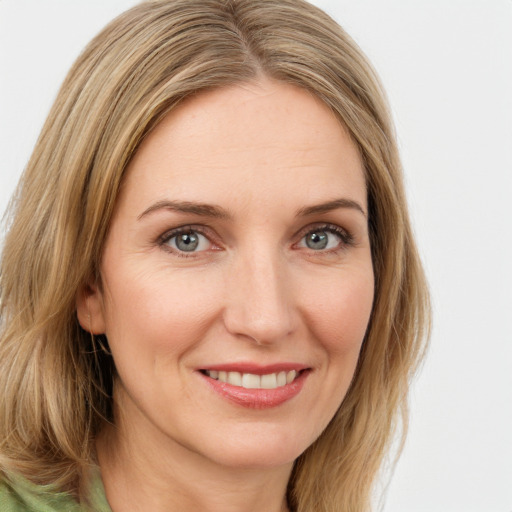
[(19, 495)]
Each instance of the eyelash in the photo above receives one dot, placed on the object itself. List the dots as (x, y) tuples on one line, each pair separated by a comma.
[(164, 240), (346, 239)]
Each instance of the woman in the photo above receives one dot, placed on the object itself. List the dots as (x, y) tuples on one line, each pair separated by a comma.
[(211, 297)]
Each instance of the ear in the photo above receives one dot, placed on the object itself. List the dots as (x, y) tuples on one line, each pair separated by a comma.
[(90, 310)]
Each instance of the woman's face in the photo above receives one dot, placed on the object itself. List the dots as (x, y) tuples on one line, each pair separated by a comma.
[(237, 276)]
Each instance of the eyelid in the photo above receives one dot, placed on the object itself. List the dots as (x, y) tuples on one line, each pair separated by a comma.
[(347, 239), (208, 233)]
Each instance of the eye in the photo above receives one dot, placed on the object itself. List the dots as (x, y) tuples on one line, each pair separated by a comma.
[(187, 241), (325, 238)]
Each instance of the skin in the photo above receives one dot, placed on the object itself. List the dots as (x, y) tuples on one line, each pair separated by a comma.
[(253, 292)]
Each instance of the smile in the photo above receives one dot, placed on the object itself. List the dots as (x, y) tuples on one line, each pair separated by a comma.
[(253, 381), (256, 387)]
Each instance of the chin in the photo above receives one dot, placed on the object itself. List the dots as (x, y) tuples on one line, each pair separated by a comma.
[(256, 450)]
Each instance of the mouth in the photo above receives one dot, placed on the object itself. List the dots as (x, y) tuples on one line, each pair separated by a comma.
[(256, 387), (272, 380)]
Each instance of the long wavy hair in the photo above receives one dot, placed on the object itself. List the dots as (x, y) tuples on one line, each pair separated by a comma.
[(55, 380)]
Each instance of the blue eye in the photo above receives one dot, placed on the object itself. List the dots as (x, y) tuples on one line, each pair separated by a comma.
[(318, 240), (188, 241), (325, 238)]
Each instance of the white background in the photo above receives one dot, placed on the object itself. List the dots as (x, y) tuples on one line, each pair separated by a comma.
[(447, 67)]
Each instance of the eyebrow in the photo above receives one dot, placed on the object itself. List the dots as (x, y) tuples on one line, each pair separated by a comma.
[(330, 206), (214, 211), (202, 209)]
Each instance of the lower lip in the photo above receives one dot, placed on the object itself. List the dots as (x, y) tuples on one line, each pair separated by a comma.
[(258, 398)]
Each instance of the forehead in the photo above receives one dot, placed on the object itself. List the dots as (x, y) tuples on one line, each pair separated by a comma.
[(266, 138)]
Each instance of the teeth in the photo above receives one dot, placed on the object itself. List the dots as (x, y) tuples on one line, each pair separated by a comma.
[(269, 381), (235, 378), (251, 381)]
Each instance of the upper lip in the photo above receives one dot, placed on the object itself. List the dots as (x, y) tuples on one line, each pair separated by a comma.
[(256, 369)]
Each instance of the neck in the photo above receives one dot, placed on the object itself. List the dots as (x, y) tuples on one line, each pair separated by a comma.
[(155, 473)]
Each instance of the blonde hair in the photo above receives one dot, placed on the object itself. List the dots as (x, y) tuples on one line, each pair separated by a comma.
[(55, 382)]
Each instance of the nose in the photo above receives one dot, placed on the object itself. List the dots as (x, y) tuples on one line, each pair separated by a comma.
[(260, 299)]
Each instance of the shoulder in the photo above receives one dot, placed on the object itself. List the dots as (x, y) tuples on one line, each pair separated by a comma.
[(19, 495)]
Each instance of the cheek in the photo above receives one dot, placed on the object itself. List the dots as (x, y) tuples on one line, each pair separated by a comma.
[(150, 313), (340, 310)]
